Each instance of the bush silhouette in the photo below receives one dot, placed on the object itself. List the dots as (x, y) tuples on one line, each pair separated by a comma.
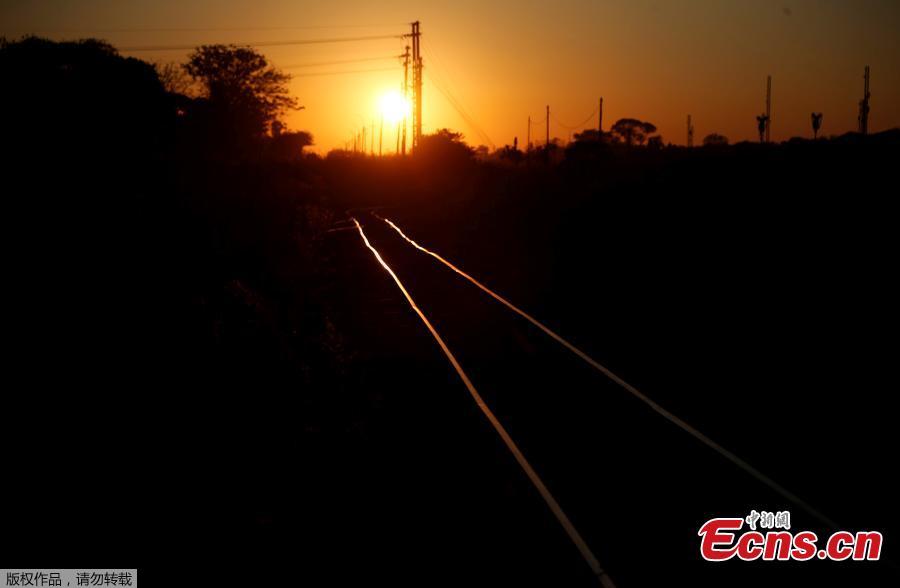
[(715, 140)]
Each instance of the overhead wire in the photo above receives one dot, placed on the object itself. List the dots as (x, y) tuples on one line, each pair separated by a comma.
[(186, 47), (336, 62), (462, 113), (579, 125), (128, 30), (443, 86), (334, 73), (534, 123)]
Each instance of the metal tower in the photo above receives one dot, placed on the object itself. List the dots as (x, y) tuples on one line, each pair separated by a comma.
[(417, 84)]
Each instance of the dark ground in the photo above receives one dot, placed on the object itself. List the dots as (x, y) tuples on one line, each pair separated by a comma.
[(206, 382), (637, 487), (207, 379), (759, 316)]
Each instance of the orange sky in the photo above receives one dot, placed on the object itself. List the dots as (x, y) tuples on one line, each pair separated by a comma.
[(505, 59)]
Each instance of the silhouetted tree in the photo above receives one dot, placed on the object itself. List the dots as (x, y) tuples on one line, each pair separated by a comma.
[(632, 130), (79, 96), (176, 80), (655, 142), (244, 95), (714, 140), (816, 123)]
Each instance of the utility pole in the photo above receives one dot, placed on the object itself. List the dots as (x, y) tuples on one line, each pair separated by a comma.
[(690, 132), (417, 84), (380, 135), (372, 141), (600, 117), (547, 144), (405, 94), (864, 106), (768, 109)]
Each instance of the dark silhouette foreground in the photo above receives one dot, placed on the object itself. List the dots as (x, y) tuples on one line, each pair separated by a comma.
[(204, 374)]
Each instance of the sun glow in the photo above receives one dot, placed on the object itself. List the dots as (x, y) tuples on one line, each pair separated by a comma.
[(394, 107)]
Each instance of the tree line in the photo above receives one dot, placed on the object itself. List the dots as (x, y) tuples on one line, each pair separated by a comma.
[(224, 100)]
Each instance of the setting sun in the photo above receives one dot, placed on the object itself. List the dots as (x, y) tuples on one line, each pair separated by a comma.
[(394, 107)]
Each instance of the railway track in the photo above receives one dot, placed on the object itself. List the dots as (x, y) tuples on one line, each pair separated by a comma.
[(633, 487)]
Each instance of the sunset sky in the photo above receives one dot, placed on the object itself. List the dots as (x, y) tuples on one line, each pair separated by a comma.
[(504, 60)]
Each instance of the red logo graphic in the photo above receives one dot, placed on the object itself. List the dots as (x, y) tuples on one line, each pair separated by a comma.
[(720, 541)]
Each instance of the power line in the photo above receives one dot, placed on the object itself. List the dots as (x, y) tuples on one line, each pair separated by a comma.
[(443, 87), (264, 43), (579, 125), (533, 123), (335, 73), (462, 113), (206, 29), (336, 62)]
